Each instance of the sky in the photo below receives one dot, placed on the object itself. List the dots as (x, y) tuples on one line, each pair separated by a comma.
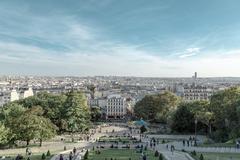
[(146, 38)]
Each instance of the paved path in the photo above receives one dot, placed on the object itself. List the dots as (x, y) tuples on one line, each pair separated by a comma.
[(176, 140), (179, 146), (105, 131), (78, 156), (168, 154)]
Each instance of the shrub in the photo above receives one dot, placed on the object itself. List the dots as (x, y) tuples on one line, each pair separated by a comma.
[(48, 153), (163, 141), (160, 156), (156, 154), (20, 157), (145, 148), (43, 156), (201, 157), (193, 153), (208, 141), (86, 155)]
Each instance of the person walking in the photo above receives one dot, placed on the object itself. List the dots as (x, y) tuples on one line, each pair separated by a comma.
[(70, 155), (74, 151), (61, 157)]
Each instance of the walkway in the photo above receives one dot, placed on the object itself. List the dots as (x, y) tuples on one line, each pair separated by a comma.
[(179, 146)]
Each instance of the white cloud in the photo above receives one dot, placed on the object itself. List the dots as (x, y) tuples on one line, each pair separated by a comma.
[(92, 53), (190, 52), (187, 55), (123, 60)]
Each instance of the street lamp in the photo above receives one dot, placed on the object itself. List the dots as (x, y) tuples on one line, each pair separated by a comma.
[(195, 139), (41, 137), (195, 128)]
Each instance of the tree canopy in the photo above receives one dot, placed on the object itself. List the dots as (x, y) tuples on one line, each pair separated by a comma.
[(42, 115), (225, 105), (77, 112), (220, 116), (156, 108), (183, 119)]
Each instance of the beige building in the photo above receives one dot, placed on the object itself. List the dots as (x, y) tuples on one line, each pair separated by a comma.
[(116, 107), (193, 93), (14, 96)]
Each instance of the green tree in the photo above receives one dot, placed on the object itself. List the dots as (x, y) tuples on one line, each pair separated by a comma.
[(183, 119), (92, 89), (48, 153), (156, 108), (27, 124), (201, 157), (77, 112), (225, 106), (43, 156), (95, 113), (202, 113), (86, 155), (11, 113), (3, 134), (160, 156), (143, 129), (46, 129), (31, 126), (52, 106)]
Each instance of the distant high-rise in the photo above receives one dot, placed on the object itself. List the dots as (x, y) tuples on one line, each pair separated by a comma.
[(195, 75)]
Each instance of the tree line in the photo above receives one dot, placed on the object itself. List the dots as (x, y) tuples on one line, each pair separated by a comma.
[(42, 116), (219, 117)]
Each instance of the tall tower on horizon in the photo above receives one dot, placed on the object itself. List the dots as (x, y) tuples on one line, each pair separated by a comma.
[(195, 75)]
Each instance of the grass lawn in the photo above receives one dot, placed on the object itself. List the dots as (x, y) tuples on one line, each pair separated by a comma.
[(32, 157), (120, 154), (116, 139), (219, 156)]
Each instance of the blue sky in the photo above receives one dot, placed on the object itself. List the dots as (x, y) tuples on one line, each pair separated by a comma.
[(163, 38)]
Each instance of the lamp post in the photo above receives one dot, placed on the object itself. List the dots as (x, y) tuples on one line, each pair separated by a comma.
[(195, 142), (195, 128), (41, 137)]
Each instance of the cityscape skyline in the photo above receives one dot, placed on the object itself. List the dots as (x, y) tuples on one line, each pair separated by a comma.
[(113, 38)]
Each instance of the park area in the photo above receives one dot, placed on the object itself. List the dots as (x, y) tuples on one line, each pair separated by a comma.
[(218, 156), (32, 157), (122, 154), (123, 139)]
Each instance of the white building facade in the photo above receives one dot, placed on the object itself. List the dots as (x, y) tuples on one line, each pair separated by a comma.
[(116, 107), (194, 93)]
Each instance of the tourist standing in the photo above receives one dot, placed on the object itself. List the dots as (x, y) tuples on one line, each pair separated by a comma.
[(71, 156), (74, 151), (61, 157)]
